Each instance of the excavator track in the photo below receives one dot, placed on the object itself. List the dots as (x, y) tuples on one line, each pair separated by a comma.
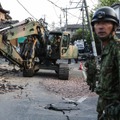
[(63, 71)]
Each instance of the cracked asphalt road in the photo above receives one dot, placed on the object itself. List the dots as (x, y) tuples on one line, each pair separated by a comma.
[(44, 97)]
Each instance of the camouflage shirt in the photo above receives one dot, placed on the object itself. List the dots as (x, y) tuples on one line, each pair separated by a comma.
[(109, 77)]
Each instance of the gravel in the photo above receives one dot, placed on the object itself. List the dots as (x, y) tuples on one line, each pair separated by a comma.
[(76, 86)]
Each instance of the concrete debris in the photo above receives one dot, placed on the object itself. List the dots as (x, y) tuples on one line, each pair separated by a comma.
[(63, 106), (4, 71), (6, 86)]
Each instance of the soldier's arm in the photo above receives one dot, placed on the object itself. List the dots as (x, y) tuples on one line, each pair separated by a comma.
[(86, 64), (118, 59)]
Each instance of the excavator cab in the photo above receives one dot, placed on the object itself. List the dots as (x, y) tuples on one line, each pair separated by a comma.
[(66, 50)]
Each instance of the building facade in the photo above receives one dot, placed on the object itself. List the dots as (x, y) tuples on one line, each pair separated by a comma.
[(6, 21), (4, 14), (5, 18)]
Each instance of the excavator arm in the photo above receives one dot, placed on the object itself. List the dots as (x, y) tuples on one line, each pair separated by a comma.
[(30, 29), (9, 52)]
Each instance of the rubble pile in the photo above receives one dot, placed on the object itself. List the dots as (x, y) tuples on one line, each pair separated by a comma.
[(75, 87), (6, 86)]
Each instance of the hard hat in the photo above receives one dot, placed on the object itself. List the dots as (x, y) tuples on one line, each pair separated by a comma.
[(105, 14)]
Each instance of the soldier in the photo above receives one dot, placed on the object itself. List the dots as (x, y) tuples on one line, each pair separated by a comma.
[(91, 72), (104, 24)]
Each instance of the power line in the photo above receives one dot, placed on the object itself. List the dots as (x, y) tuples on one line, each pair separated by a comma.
[(62, 9), (78, 18), (54, 4), (55, 11), (26, 9), (78, 3)]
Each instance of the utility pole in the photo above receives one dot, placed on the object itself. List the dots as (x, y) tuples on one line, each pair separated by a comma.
[(44, 17), (66, 19), (65, 10), (60, 21), (83, 21), (89, 25), (90, 28)]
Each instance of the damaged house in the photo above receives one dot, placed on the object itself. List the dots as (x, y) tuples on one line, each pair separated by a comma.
[(6, 21)]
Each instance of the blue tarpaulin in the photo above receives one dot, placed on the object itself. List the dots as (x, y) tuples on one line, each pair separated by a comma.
[(21, 39)]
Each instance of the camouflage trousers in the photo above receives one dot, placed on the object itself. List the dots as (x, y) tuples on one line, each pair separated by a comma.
[(91, 82), (101, 107)]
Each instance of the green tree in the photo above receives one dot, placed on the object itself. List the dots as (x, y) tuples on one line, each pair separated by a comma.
[(77, 35), (107, 2)]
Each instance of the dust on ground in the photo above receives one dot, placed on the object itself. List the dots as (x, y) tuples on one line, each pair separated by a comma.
[(75, 87)]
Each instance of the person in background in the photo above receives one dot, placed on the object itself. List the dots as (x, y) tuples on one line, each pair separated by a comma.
[(104, 23), (57, 43)]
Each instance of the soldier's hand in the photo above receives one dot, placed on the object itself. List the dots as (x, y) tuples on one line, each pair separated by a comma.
[(113, 109)]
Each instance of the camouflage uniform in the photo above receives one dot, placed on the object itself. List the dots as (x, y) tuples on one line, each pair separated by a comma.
[(109, 82), (105, 23), (91, 72)]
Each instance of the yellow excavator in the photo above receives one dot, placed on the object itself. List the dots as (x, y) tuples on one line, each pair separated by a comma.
[(39, 50)]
